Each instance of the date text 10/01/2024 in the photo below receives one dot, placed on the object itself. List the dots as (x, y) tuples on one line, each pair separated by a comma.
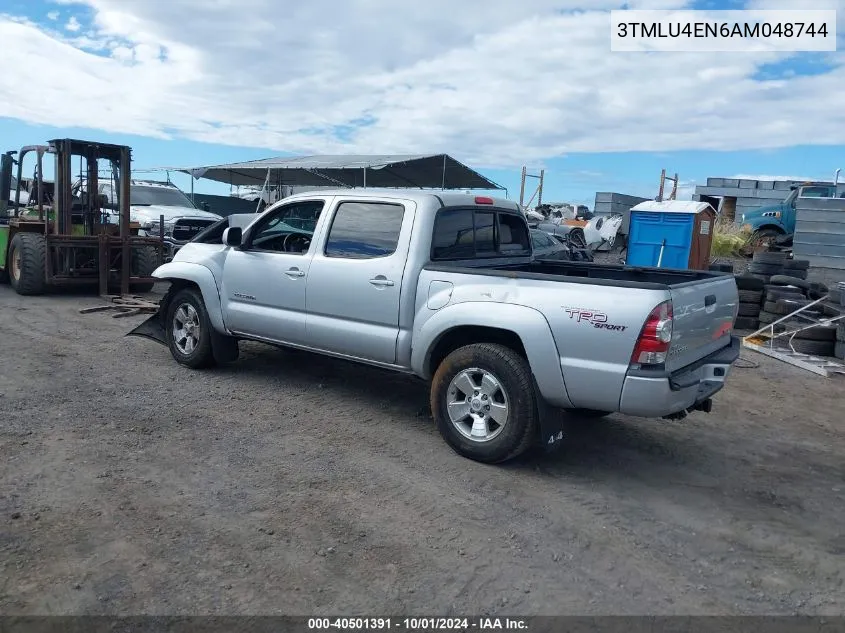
[(417, 624)]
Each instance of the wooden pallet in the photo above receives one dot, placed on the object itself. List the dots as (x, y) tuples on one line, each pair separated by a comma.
[(124, 306)]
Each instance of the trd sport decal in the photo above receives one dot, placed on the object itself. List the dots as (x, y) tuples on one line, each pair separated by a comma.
[(597, 319)]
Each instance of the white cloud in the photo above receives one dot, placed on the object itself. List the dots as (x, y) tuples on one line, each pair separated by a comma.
[(73, 24), (494, 82), (53, 15)]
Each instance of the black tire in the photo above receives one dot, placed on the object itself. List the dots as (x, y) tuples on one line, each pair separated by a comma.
[(817, 290), (751, 296), (814, 348), (764, 278), (767, 317), (513, 374), (769, 257), (839, 350), (587, 414), (784, 280), (747, 282), (818, 333), (749, 309), (30, 279), (788, 306), (794, 272), (796, 264), (773, 293), (202, 355), (144, 262), (840, 333), (765, 269), (746, 323), (834, 296)]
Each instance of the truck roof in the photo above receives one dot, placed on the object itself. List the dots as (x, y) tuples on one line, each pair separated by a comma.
[(447, 198)]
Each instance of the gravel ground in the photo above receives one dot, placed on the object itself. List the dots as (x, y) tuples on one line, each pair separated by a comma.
[(288, 483)]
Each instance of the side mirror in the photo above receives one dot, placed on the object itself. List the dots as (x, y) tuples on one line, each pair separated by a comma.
[(205, 206), (233, 236)]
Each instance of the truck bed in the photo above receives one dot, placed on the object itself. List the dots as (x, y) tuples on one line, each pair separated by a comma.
[(581, 272), (704, 305)]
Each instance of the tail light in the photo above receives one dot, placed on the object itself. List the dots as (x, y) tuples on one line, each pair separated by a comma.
[(656, 336), (483, 200)]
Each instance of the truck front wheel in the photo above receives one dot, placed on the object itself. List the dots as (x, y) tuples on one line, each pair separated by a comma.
[(188, 329), (482, 398), (27, 253), (764, 237)]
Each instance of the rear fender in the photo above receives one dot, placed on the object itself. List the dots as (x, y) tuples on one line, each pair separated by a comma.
[(204, 279), (527, 323)]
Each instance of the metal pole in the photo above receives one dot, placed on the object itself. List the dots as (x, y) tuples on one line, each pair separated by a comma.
[(540, 188), (662, 180), (522, 186), (263, 187), (660, 256)]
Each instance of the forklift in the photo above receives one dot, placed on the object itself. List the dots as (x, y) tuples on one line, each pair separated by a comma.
[(74, 236)]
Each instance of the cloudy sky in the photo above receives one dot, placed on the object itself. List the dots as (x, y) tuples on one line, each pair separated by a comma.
[(495, 83)]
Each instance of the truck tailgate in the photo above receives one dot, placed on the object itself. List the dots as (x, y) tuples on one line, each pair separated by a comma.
[(703, 319)]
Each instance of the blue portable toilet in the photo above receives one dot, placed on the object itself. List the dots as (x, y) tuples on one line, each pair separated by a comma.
[(671, 234)]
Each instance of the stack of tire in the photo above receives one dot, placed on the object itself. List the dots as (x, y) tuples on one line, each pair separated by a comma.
[(838, 294), (766, 264), (751, 292), (784, 294)]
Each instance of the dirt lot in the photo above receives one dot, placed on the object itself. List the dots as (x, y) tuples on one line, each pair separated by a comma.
[(287, 483)]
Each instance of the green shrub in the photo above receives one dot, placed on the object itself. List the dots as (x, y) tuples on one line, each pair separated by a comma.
[(729, 240)]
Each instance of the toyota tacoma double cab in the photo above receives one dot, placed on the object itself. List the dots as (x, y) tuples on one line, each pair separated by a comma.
[(445, 287)]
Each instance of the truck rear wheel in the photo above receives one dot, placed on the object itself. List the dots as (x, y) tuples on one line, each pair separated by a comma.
[(26, 263), (482, 398), (188, 329)]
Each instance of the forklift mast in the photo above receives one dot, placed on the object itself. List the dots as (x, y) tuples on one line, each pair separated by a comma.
[(7, 161)]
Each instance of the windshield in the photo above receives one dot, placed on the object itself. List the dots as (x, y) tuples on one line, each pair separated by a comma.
[(164, 196)]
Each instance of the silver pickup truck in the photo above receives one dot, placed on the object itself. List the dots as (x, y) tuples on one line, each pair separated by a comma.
[(444, 286)]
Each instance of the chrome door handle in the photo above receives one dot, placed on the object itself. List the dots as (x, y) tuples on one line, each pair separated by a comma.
[(294, 272), (381, 281)]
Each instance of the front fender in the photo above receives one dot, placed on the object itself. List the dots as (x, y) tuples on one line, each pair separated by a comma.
[(204, 279), (527, 323)]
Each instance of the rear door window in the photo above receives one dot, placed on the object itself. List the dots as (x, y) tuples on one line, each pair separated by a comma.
[(363, 230), (468, 233), (453, 234)]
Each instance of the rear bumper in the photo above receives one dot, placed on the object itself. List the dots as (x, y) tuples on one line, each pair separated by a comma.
[(658, 394)]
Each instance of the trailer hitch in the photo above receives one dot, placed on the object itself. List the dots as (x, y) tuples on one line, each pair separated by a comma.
[(705, 406)]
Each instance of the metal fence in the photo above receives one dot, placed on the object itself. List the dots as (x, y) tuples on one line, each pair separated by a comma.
[(820, 232)]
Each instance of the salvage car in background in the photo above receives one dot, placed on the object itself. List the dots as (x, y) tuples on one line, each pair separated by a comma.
[(446, 287), (151, 199)]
